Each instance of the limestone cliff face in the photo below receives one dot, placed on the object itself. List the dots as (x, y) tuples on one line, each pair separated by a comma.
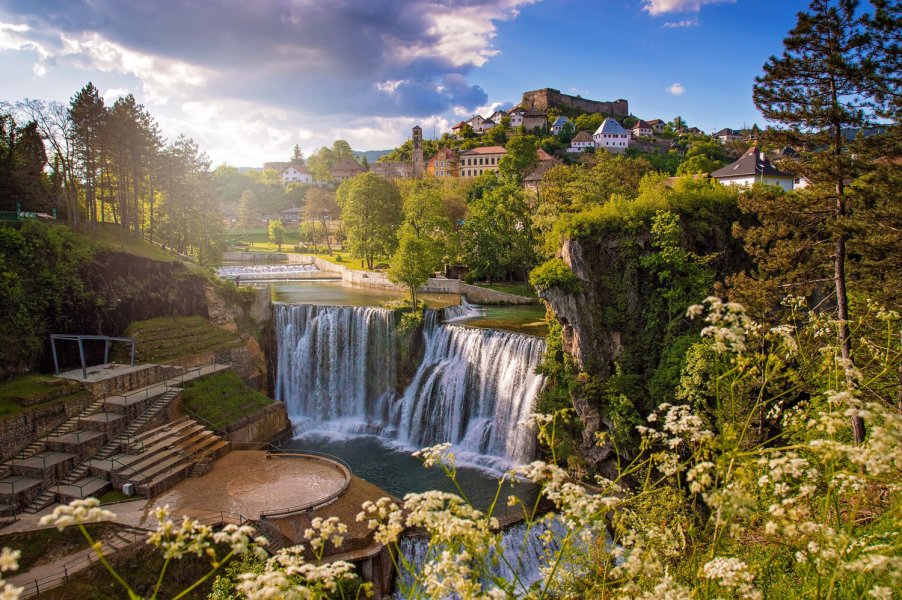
[(249, 360), (590, 336)]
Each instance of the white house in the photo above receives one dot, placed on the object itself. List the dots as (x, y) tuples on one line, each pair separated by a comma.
[(558, 125), (751, 168), (477, 161), (486, 125), (611, 136), (728, 135), (498, 115), (642, 129), (516, 116), (295, 174), (581, 141), (476, 123), (657, 125)]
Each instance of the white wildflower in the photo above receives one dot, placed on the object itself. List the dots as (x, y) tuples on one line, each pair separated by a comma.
[(77, 512)]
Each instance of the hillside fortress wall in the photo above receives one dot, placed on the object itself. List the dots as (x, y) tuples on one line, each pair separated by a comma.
[(547, 97)]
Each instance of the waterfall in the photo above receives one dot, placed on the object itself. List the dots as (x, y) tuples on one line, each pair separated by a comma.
[(462, 311), (473, 388), (523, 555), (337, 368), (336, 362)]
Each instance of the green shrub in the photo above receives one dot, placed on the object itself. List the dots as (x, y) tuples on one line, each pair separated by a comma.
[(554, 273)]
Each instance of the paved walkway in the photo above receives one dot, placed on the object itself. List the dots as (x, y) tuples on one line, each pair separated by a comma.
[(159, 388), (243, 482), (56, 572)]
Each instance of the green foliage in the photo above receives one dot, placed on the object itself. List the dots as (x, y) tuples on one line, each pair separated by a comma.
[(371, 213), (703, 156), (276, 232), (497, 234), (41, 289), (410, 266), (222, 398), (520, 159), (169, 340), (555, 273)]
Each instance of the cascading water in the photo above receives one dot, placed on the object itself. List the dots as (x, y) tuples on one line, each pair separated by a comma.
[(473, 389), (461, 311), (337, 368), (336, 363), (524, 553)]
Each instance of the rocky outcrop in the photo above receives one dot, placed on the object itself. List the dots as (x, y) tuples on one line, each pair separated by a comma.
[(249, 320)]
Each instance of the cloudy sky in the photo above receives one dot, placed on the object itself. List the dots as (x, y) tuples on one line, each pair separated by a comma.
[(248, 79)]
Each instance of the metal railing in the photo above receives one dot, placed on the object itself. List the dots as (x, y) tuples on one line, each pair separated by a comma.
[(341, 466), (42, 584)]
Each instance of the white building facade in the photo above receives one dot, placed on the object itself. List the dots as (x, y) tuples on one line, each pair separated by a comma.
[(611, 136)]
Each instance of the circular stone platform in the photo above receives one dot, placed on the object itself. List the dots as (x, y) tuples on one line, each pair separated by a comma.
[(250, 482)]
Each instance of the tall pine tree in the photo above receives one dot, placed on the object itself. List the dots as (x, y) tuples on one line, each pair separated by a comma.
[(823, 85)]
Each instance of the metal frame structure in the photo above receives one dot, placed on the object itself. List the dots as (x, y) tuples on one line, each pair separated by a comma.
[(107, 340)]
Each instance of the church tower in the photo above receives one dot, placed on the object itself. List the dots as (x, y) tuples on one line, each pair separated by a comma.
[(419, 167)]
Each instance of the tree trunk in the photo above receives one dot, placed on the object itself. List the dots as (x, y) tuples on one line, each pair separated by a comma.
[(839, 280)]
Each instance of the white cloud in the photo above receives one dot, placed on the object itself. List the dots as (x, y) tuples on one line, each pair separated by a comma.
[(660, 7), (389, 86), (681, 24), (676, 89)]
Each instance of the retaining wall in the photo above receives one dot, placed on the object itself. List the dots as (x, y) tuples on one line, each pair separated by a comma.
[(17, 431), (268, 423), (435, 285)]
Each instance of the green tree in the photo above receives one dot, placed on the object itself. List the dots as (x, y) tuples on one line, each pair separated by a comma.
[(341, 150), (824, 82), (497, 234), (520, 159), (88, 117), (276, 232), (297, 155), (248, 215), (497, 135), (410, 266), (371, 213), (321, 208), (320, 164), (703, 156)]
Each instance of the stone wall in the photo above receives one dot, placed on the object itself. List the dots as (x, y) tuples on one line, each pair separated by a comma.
[(254, 256), (142, 376), (267, 424), (548, 97), (17, 431), (435, 285)]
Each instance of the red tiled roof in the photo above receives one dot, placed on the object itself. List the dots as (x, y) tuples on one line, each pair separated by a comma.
[(487, 150)]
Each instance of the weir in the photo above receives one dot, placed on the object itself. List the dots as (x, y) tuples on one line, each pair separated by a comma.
[(338, 371)]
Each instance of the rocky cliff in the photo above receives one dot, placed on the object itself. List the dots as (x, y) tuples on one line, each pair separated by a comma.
[(621, 328)]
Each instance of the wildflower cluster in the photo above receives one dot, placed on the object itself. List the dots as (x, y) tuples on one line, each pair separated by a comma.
[(322, 531), (9, 561), (287, 575), (77, 512)]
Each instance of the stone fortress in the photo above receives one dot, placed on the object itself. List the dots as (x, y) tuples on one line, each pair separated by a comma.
[(546, 98)]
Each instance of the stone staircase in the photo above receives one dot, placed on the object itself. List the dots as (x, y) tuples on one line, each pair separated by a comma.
[(161, 457), (58, 466), (79, 484)]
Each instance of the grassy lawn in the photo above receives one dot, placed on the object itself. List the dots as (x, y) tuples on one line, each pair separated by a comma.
[(520, 288), (30, 392), (42, 546), (114, 495), (170, 339), (140, 567), (222, 399), (112, 237)]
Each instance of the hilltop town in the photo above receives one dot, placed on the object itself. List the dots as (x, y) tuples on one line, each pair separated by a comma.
[(565, 129)]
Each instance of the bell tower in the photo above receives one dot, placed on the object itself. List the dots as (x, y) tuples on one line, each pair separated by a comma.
[(418, 164)]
